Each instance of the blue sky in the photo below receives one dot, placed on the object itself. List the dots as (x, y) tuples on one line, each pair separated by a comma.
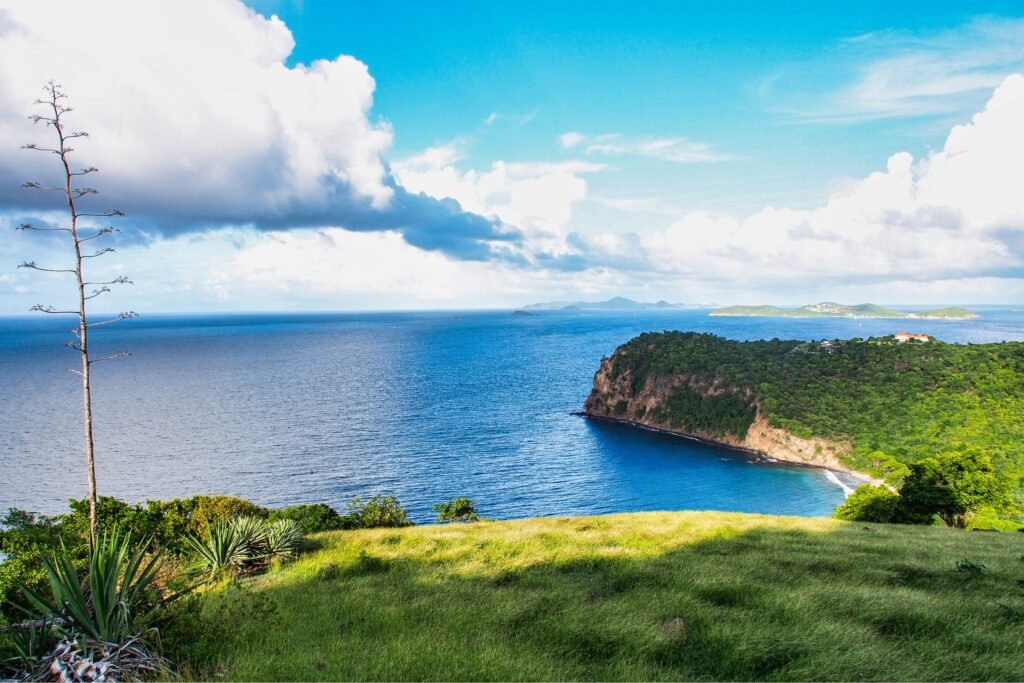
[(336, 155), (736, 75)]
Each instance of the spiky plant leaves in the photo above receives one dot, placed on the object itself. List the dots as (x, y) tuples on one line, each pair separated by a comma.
[(283, 539), (104, 604), (252, 535), (221, 551)]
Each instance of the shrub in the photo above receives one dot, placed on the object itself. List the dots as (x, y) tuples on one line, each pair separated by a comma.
[(379, 511), (457, 510), (869, 504), (313, 518), (25, 541), (953, 486), (207, 510)]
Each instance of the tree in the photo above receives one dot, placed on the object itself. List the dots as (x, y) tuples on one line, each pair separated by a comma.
[(952, 486), (80, 235)]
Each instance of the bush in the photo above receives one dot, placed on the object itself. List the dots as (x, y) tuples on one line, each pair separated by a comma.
[(953, 486), (869, 504), (457, 510), (207, 510), (25, 540), (379, 511), (313, 518)]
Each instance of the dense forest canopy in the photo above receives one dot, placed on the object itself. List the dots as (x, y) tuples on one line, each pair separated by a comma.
[(894, 403)]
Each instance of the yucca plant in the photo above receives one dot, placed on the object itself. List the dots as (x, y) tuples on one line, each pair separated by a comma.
[(104, 605), (222, 549), (283, 539)]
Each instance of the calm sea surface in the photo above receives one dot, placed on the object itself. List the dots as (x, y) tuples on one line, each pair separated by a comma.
[(285, 409)]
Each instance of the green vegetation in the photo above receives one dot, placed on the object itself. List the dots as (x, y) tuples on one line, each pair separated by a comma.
[(869, 504), (457, 510), (652, 596), (954, 487), (828, 309), (893, 404), (98, 621), (27, 539), (951, 312)]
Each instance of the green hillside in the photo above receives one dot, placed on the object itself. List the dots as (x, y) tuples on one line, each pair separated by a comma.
[(829, 309), (651, 596), (894, 403)]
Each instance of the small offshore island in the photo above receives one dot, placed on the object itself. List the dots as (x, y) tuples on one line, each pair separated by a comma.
[(828, 309), (862, 406)]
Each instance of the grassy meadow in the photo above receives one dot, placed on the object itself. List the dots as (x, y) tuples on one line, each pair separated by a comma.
[(681, 595)]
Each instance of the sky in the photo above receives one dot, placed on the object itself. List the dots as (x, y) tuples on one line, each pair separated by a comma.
[(313, 155)]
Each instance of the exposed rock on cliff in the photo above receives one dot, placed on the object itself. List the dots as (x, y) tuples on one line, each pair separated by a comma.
[(720, 413)]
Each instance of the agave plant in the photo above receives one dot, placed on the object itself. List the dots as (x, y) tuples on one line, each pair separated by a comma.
[(283, 539), (105, 605), (221, 551), (252, 534)]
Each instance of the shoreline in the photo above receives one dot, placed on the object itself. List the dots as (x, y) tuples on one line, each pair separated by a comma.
[(756, 456)]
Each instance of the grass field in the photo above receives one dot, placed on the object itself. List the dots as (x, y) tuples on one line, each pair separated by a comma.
[(687, 595)]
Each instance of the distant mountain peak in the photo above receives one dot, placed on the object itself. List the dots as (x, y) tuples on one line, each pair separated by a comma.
[(616, 303)]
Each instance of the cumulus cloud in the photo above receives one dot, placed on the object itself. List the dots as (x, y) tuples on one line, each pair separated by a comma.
[(957, 213), (536, 197), (197, 121), (946, 227), (677, 150)]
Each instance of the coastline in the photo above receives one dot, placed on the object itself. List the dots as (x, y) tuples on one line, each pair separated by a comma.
[(756, 456)]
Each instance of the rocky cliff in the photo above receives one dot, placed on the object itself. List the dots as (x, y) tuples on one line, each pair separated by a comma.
[(703, 407)]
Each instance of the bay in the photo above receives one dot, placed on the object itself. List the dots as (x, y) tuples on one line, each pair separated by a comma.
[(299, 408)]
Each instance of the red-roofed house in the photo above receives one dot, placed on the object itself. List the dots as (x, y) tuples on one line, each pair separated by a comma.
[(906, 336)]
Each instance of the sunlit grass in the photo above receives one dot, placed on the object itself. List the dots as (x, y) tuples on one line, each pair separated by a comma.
[(641, 596)]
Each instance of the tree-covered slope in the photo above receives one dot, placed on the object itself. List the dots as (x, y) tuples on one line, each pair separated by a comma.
[(888, 403)]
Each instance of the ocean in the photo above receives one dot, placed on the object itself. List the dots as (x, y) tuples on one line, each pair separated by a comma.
[(302, 408)]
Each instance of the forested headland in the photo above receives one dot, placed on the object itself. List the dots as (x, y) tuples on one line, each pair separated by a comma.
[(879, 404)]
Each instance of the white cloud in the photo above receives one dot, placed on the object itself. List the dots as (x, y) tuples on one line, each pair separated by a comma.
[(678, 150), (537, 197), (196, 120), (903, 74), (192, 99), (570, 139), (957, 213)]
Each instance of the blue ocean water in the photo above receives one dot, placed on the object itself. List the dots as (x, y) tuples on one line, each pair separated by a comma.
[(286, 409)]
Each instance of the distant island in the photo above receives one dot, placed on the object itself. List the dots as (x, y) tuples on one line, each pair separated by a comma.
[(828, 309), (618, 303)]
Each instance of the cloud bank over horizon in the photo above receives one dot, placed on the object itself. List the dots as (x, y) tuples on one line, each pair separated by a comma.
[(252, 183)]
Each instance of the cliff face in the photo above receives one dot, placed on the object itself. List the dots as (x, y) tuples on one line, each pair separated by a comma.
[(655, 403)]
